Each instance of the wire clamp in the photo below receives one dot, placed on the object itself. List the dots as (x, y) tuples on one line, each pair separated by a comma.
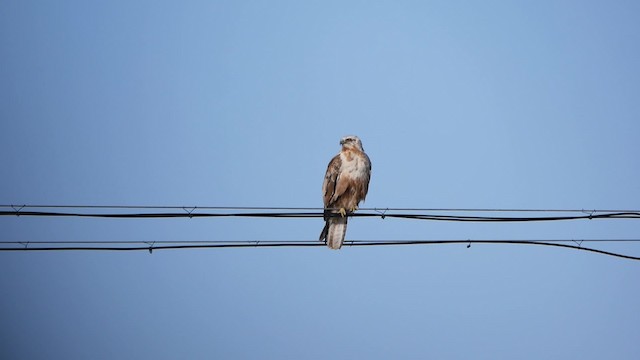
[(381, 212), (18, 209), (150, 246), (189, 212), (578, 242), (590, 213)]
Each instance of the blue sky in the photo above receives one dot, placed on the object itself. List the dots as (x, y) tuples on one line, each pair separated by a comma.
[(494, 104)]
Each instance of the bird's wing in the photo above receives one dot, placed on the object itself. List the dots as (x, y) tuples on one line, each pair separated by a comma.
[(331, 179)]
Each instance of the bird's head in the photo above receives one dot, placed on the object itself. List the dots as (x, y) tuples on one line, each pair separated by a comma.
[(351, 142)]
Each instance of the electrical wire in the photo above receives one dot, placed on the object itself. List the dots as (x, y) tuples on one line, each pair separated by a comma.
[(262, 244), (144, 211), (17, 208), (190, 213), (577, 241)]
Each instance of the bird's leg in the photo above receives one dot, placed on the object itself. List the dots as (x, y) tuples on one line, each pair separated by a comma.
[(343, 212), (354, 208)]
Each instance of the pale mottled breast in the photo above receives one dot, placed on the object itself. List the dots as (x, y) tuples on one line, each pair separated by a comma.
[(355, 164)]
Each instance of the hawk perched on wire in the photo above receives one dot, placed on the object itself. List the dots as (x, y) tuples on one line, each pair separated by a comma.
[(345, 184)]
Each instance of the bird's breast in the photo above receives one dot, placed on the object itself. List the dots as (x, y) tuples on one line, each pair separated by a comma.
[(353, 165)]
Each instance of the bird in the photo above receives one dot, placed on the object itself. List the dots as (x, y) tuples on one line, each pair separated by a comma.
[(345, 185)]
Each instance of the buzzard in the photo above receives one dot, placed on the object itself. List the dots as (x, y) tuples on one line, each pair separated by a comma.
[(345, 184)]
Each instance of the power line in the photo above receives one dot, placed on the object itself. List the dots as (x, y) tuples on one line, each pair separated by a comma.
[(431, 214), (18, 207), (387, 213), (255, 244), (53, 242)]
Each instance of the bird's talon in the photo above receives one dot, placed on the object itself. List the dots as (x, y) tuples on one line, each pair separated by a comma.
[(342, 212)]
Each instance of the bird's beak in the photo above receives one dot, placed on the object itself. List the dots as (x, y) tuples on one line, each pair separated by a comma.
[(341, 142)]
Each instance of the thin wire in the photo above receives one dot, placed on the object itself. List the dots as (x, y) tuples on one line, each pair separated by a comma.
[(183, 207), (152, 247), (190, 213), (275, 241)]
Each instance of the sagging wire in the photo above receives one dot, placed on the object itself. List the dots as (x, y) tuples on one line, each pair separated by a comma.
[(278, 244), (387, 213)]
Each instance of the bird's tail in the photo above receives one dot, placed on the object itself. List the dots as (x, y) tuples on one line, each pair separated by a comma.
[(334, 231)]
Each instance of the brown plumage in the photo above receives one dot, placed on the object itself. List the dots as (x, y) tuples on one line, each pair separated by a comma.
[(345, 185)]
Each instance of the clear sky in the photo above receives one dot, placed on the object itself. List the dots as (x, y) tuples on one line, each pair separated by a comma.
[(480, 104)]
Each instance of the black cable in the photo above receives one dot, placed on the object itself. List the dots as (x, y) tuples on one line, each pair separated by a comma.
[(191, 214), (191, 208), (256, 244), (577, 241)]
